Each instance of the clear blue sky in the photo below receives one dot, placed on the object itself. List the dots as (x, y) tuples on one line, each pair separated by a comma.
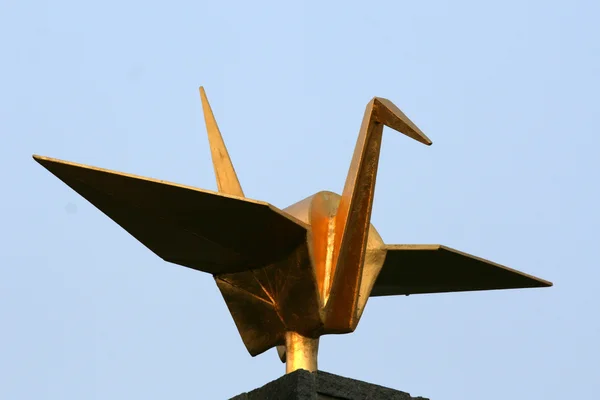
[(508, 92)]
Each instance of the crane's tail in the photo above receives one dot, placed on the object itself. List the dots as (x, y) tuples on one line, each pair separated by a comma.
[(227, 180)]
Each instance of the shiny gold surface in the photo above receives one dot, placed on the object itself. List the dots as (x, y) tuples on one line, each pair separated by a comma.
[(352, 220), (287, 276), (301, 352), (227, 180)]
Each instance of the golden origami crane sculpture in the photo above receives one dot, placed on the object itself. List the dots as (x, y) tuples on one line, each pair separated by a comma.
[(288, 276)]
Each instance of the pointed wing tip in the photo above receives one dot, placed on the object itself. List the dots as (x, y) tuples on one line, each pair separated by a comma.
[(42, 160), (537, 282), (49, 162), (544, 283)]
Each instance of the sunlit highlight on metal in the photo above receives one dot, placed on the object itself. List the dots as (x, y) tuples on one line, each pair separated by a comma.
[(287, 276)]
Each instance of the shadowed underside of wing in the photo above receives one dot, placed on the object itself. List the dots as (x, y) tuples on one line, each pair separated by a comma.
[(200, 229), (417, 269)]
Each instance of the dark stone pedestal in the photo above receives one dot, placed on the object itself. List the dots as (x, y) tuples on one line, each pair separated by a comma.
[(304, 385)]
